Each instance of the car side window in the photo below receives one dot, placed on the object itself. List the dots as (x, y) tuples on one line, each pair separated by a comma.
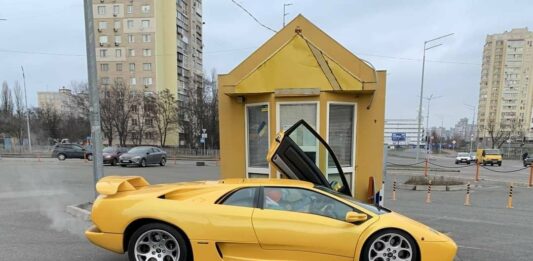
[(242, 198), (304, 201)]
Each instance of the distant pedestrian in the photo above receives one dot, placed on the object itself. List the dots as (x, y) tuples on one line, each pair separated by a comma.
[(525, 155)]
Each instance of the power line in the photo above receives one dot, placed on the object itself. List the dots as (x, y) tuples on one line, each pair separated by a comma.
[(253, 17), (242, 49)]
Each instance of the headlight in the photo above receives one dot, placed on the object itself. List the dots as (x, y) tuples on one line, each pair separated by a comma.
[(108, 157), (136, 158)]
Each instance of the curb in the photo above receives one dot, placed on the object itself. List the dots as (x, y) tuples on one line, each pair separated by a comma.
[(79, 212)]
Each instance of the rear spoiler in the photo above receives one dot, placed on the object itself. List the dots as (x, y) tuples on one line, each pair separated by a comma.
[(112, 185)]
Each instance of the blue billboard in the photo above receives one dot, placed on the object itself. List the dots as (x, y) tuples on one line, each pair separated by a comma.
[(399, 136)]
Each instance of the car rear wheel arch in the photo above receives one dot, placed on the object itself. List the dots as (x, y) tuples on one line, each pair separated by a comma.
[(388, 230), (133, 226)]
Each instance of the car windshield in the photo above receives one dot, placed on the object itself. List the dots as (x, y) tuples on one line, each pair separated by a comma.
[(462, 154), (109, 150), (492, 152), (368, 207), (138, 150)]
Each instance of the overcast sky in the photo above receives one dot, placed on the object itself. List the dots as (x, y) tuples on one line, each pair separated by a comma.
[(47, 38)]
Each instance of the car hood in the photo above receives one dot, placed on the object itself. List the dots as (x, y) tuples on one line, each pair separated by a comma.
[(415, 228)]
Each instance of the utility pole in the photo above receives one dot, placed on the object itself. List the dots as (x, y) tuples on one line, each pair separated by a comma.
[(473, 108), (94, 97), (27, 110), (422, 90), (284, 12)]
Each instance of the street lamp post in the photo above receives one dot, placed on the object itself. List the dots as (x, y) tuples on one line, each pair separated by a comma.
[(473, 108), (422, 90), (27, 110), (284, 12)]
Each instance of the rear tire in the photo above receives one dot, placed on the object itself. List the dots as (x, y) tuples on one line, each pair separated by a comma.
[(392, 242), (114, 162), (159, 242), (90, 157)]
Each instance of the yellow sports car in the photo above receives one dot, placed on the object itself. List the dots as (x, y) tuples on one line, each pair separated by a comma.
[(301, 216)]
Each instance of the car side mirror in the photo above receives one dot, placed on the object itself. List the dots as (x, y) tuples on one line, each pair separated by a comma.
[(147, 153), (354, 217)]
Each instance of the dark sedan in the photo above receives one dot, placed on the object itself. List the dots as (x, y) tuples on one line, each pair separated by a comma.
[(111, 154), (143, 156), (71, 151)]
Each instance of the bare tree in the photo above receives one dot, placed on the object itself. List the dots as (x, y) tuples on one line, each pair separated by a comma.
[(500, 133), (6, 109), (144, 112), (166, 117), (117, 105), (18, 117)]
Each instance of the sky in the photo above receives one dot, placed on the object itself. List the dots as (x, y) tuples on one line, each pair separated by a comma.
[(47, 38)]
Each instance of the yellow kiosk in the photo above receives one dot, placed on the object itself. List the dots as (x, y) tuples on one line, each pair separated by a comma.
[(302, 73)]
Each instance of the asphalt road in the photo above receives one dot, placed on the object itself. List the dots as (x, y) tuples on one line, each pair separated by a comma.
[(34, 225), (511, 171), (33, 197)]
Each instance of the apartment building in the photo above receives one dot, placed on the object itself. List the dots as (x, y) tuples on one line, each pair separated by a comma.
[(149, 45), (506, 93), (57, 101)]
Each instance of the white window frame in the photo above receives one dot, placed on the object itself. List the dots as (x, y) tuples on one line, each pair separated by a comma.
[(248, 169), (278, 118), (145, 9), (352, 168)]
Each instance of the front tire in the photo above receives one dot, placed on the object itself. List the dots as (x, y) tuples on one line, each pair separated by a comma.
[(61, 157), (159, 242), (163, 162), (114, 162), (90, 157), (390, 244), (142, 164)]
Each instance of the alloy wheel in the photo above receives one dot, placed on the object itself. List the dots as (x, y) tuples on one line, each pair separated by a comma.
[(391, 247), (157, 245)]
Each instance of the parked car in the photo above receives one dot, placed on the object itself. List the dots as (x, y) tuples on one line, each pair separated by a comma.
[(259, 219), (463, 157), (143, 156), (71, 151), (111, 154)]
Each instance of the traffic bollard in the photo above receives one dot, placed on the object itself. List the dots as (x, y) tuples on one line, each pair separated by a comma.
[(428, 196), (394, 190), (467, 196), (477, 172), (510, 199)]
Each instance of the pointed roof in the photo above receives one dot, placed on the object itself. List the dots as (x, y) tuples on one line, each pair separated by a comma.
[(300, 56)]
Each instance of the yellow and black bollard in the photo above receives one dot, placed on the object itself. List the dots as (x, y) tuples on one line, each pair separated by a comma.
[(467, 196), (394, 190), (428, 196), (510, 199)]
